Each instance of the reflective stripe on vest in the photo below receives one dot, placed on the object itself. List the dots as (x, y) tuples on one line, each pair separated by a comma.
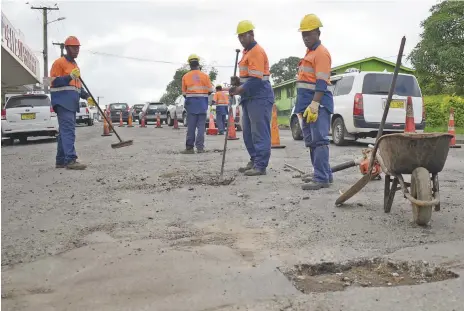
[(197, 95), (308, 69), (199, 88), (303, 85), (65, 88)]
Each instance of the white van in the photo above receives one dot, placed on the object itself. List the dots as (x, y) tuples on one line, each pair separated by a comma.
[(359, 102), (28, 115)]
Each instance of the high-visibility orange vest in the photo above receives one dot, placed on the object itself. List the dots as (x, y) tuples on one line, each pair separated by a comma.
[(196, 83), (221, 98), (315, 65), (254, 63)]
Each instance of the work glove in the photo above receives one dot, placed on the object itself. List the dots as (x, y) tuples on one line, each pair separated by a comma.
[(90, 101), (235, 81), (309, 115), (314, 106), (75, 74)]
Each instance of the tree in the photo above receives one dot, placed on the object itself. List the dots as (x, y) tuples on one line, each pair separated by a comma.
[(439, 57), (174, 88), (285, 69)]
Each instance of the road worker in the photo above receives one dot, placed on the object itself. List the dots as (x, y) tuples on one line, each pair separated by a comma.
[(196, 87), (257, 99), (65, 92), (315, 102), (221, 100)]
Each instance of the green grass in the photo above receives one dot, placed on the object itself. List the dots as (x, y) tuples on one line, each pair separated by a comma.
[(283, 120), (459, 130)]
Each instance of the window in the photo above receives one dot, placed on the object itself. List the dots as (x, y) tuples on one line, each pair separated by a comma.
[(28, 101), (290, 91), (378, 83), (118, 106), (278, 93), (344, 86), (83, 104)]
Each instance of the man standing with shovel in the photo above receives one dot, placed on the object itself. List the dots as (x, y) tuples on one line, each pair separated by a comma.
[(257, 99)]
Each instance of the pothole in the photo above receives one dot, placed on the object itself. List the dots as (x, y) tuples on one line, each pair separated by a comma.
[(206, 179), (376, 272)]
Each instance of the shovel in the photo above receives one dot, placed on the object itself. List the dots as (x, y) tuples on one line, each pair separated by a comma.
[(361, 183)]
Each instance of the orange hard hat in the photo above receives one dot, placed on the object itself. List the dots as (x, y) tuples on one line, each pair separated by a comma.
[(71, 40)]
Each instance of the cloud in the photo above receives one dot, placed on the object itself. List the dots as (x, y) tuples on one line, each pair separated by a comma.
[(171, 30)]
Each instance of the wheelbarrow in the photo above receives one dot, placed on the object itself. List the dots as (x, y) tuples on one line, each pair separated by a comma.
[(422, 156)]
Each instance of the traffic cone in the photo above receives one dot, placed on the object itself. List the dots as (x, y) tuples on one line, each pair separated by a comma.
[(231, 132), (129, 121), (176, 123), (142, 122), (409, 126), (212, 130), (451, 129), (275, 137), (106, 130), (121, 124), (158, 121)]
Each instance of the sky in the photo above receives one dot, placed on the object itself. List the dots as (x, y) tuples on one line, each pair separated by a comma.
[(162, 33)]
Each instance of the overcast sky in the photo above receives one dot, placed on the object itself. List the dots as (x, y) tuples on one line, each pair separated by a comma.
[(169, 30)]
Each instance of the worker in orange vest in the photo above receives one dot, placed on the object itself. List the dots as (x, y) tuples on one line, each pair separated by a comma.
[(221, 100), (257, 99), (65, 92), (315, 102), (196, 88)]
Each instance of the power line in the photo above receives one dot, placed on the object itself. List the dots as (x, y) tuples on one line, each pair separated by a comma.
[(145, 59)]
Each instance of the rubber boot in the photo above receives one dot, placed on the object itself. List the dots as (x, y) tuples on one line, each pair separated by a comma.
[(313, 185), (249, 166), (255, 172), (188, 151), (74, 165)]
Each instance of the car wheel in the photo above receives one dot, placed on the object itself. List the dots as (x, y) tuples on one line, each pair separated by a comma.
[(297, 134), (338, 132), (23, 139), (238, 127), (169, 120), (90, 122), (184, 119), (11, 141)]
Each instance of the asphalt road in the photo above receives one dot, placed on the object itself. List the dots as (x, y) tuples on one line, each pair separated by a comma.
[(146, 228)]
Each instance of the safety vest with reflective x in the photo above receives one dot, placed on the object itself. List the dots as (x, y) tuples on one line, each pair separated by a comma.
[(313, 67), (196, 83)]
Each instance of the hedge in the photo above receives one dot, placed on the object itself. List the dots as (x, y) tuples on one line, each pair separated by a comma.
[(437, 109)]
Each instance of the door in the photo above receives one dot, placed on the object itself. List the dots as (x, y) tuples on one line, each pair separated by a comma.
[(180, 107)]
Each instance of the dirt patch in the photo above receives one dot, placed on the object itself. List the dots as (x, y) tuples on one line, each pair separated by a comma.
[(377, 272), (206, 179)]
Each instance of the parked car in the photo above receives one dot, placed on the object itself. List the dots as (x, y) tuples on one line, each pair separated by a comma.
[(135, 111), (179, 110), (28, 115), (83, 115), (116, 109), (150, 111), (359, 101)]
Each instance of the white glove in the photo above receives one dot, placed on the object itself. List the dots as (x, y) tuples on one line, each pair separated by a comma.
[(314, 106)]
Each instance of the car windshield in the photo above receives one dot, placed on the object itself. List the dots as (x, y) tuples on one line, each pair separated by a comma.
[(28, 101), (118, 106), (375, 83), (138, 107), (156, 106)]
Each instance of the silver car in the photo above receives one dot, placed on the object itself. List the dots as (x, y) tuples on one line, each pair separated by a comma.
[(151, 110)]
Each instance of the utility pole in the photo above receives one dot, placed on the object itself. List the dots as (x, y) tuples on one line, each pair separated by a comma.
[(45, 39), (61, 47)]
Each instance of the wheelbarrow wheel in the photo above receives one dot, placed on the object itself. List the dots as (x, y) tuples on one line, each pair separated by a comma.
[(421, 190)]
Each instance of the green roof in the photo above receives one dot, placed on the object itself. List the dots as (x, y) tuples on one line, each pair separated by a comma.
[(369, 59)]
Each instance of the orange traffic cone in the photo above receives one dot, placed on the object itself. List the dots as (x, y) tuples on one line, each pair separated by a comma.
[(176, 123), (158, 121), (121, 123), (409, 126), (106, 130), (129, 121), (451, 129), (275, 137), (142, 122), (231, 132), (212, 130)]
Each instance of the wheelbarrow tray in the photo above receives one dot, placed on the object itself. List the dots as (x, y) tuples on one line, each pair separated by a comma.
[(401, 153)]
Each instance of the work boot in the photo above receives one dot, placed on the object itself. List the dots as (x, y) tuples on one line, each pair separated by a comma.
[(221, 133), (314, 185), (255, 172), (188, 151), (249, 166), (201, 150), (60, 165), (74, 165), (309, 178)]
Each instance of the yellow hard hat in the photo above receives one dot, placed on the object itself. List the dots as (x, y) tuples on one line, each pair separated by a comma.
[(310, 22), (193, 57), (244, 26), (218, 85)]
